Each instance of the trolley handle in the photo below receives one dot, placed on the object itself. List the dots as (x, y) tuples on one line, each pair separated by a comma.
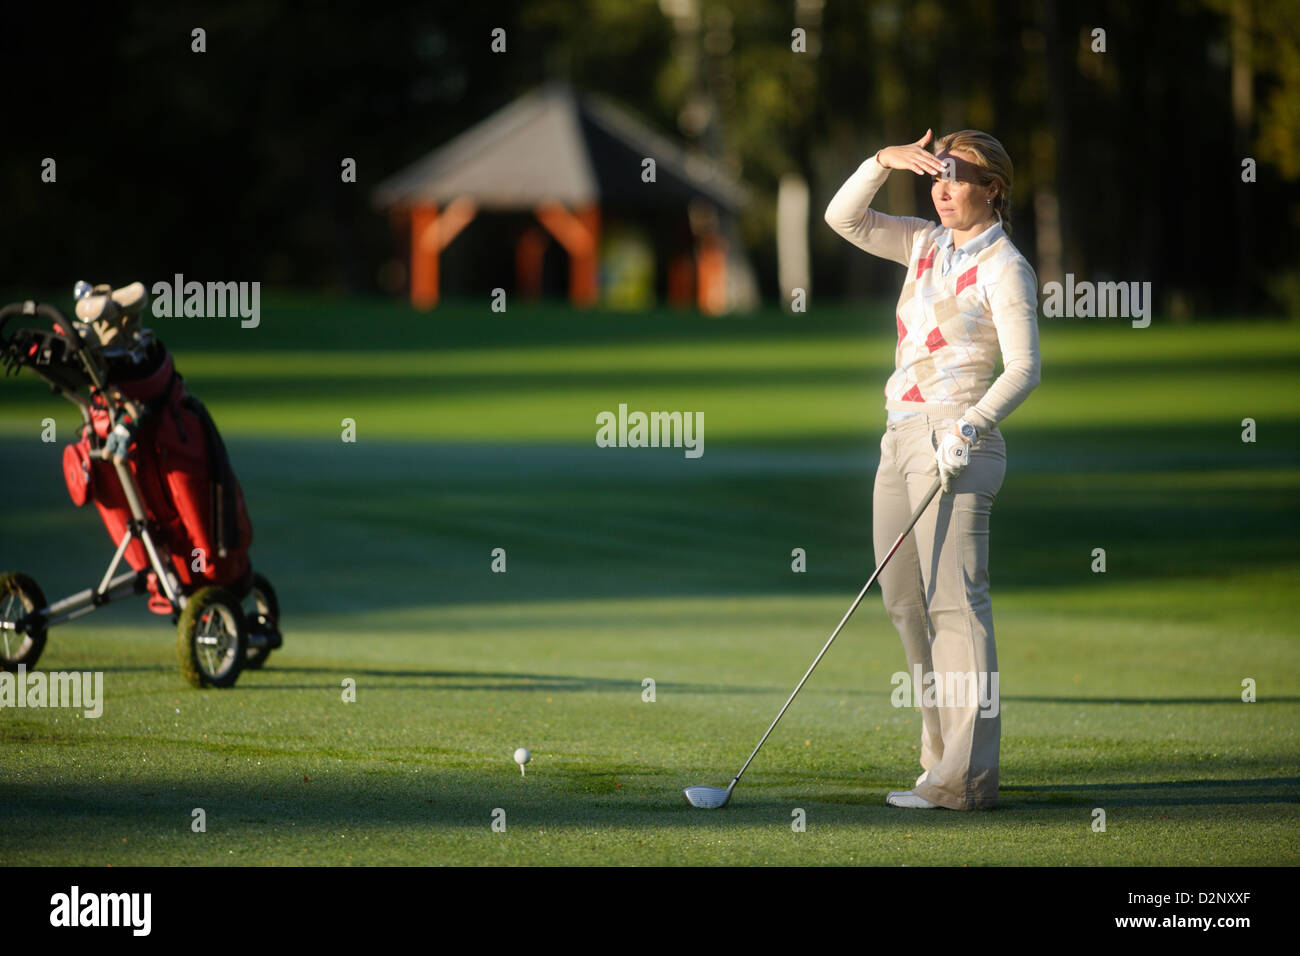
[(68, 331), (17, 308), (61, 323)]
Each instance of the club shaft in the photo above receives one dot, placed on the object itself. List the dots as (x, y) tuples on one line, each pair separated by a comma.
[(916, 516)]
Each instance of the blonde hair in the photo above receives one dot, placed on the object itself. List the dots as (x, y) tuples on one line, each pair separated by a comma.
[(991, 157)]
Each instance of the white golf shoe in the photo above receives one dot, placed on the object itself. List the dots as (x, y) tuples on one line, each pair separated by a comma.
[(909, 799)]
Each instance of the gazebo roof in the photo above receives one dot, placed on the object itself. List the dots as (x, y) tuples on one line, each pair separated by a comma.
[(557, 145)]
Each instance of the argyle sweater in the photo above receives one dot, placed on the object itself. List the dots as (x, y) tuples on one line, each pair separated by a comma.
[(952, 329)]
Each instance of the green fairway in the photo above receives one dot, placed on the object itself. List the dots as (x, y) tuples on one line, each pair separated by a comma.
[(1120, 690)]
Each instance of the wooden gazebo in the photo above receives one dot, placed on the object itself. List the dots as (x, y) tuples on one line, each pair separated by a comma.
[(563, 156)]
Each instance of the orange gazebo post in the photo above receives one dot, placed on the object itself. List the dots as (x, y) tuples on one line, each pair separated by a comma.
[(430, 234), (579, 234)]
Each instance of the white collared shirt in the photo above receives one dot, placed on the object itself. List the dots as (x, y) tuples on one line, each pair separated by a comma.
[(960, 259)]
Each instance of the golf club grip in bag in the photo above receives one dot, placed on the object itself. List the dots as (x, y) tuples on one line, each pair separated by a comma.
[(187, 486)]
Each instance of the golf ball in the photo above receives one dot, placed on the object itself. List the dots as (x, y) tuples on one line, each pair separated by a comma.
[(522, 756)]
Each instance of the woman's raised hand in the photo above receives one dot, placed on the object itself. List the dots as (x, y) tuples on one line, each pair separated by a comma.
[(913, 156)]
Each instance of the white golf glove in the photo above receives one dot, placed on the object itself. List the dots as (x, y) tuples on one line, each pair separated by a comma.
[(953, 454)]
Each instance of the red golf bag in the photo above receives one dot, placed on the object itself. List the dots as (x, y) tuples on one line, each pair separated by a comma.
[(188, 490)]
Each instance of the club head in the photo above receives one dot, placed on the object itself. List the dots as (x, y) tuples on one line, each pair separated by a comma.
[(707, 798)]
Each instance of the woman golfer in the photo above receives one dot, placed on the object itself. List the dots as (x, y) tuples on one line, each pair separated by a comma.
[(968, 298)]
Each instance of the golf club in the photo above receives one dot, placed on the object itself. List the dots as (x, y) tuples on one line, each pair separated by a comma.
[(714, 798)]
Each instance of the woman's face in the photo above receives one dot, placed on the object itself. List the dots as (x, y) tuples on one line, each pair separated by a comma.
[(962, 202)]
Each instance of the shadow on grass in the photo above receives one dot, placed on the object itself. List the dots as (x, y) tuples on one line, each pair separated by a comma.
[(456, 799), (441, 680), (549, 683), (1172, 793), (1142, 701), (406, 525), (427, 387)]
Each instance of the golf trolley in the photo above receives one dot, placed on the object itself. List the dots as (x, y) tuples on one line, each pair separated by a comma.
[(153, 462)]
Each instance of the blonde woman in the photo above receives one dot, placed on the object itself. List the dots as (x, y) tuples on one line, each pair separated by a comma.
[(968, 299)]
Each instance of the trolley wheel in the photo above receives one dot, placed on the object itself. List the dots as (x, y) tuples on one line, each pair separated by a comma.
[(19, 597), (211, 639), (262, 615)]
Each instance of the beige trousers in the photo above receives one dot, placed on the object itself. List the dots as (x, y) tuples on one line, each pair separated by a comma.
[(936, 591)]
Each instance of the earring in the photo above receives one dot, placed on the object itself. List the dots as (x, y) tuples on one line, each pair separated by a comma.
[(989, 201)]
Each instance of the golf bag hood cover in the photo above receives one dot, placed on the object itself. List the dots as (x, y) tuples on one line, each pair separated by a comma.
[(113, 313), (77, 472)]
